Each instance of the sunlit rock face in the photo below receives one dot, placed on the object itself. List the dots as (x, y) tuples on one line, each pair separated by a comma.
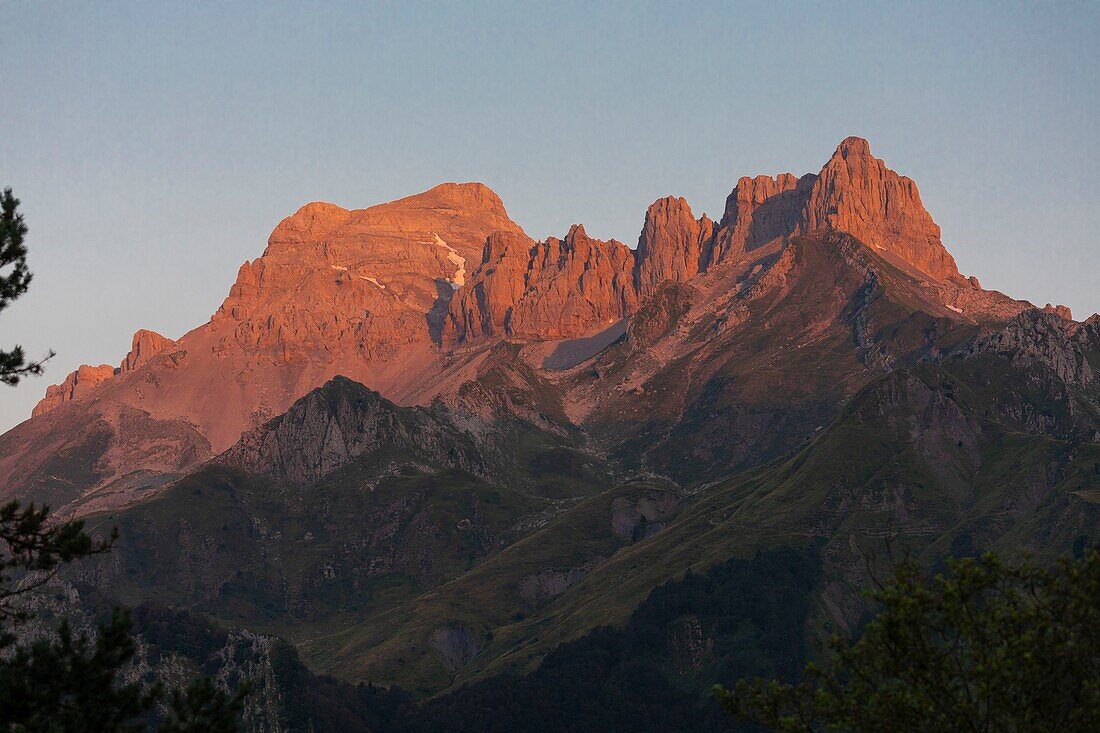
[(74, 385), (560, 288), (673, 245), (144, 347), (402, 296), (360, 293), (856, 193)]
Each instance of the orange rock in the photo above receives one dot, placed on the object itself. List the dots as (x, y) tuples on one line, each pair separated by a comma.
[(382, 295), (484, 306), (673, 245), (761, 211), (1062, 311), (546, 290), (360, 293), (145, 345), (858, 194), (76, 384)]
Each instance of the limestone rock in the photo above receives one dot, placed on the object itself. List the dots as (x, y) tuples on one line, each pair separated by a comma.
[(1062, 311), (484, 306), (341, 421), (389, 296), (761, 211), (563, 289), (145, 345), (858, 194), (80, 382), (673, 245), (355, 292), (1045, 337), (362, 281)]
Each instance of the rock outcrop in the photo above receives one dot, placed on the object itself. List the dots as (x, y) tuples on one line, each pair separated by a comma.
[(146, 344), (673, 245), (80, 382), (484, 306), (341, 421), (1062, 311), (360, 293), (856, 193), (560, 288), (761, 211), (1045, 337), (334, 280)]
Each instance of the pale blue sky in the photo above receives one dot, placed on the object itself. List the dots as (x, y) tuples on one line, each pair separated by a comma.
[(156, 145)]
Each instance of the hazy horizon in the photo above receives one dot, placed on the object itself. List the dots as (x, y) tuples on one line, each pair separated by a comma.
[(154, 146)]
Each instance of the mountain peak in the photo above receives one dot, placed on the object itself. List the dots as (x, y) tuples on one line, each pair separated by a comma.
[(672, 246), (339, 422), (855, 192), (576, 232), (144, 346), (471, 198), (466, 191), (853, 147)]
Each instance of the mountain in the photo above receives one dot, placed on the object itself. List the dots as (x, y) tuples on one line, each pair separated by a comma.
[(434, 453), (399, 296), (337, 292)]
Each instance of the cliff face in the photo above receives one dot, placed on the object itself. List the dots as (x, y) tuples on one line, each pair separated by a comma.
[(333, 280), (144, 347), (399, 296), (673, 245), (854, 192), (761, 211), (76, 384), (360, 293), (1047, 338), (565, 289), (560, 288), (343, 421), (858, 194)]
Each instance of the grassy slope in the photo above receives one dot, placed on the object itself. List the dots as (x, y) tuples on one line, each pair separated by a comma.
[(931, 457), (918, 457)]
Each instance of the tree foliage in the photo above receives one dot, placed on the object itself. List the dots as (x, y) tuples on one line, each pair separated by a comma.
[(985, 646), (15, 278), (67, 681), (31, 549), (78, 682)]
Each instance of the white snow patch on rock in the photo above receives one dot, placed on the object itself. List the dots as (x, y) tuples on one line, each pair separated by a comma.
[(459, 278)]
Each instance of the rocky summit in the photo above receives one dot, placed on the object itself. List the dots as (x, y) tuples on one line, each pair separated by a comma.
[(439, 456), (404, 297)]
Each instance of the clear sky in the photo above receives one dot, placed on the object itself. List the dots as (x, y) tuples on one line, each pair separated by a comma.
[(155, 145)]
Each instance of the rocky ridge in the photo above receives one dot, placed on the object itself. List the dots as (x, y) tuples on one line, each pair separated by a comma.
[(77, 383), (340, 422), (560, 288), (404, 296)]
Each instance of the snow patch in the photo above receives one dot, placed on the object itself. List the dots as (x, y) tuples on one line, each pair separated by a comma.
[(459, 278), (339, 267), (957, 310), (372, 281)]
